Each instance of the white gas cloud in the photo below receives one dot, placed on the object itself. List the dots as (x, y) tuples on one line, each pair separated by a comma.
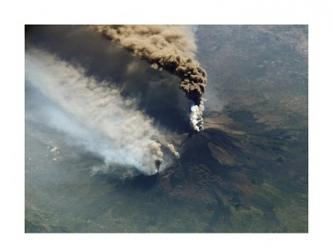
[(95, 115)]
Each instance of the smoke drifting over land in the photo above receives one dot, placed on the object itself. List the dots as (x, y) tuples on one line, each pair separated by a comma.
[(156, 92), (108, 99), (169, 48), (95, 115)]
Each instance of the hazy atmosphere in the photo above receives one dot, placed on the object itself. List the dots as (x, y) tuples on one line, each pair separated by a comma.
[(166, 128)]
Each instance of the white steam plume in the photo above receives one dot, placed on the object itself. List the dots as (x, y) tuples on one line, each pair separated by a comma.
[(196, 116), (105, 122)]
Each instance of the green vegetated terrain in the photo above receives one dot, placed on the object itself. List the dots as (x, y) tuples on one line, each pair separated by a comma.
[(246, 172)]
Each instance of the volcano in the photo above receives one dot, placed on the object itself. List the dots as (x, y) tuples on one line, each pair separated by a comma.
[(244, 171)]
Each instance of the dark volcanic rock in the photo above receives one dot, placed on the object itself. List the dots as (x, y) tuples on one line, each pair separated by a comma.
[(207, 158), (199, 149)]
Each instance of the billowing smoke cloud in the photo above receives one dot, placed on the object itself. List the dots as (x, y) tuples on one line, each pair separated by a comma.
[(169, 48), (96, 115), (156, 92)]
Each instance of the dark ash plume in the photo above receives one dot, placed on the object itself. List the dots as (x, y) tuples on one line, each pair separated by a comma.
[(166, 47), (156, 93)]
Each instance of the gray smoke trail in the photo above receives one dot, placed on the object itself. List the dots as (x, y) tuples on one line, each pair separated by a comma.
[(103, 121), (167, 47)]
